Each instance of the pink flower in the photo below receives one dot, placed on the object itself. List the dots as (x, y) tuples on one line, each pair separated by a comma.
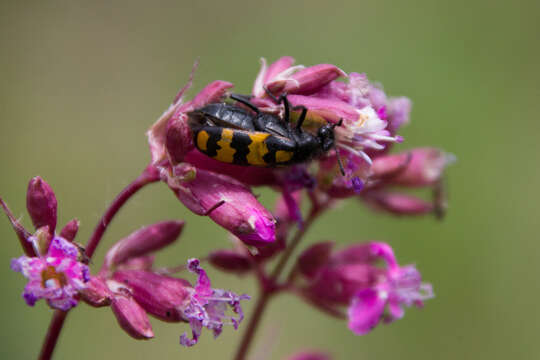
[(57, 276), (172, 299), (352, 277), (134, 289), (208, 187), (53, 264)]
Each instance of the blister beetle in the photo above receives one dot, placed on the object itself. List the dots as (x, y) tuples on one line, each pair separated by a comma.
[(232, 134)]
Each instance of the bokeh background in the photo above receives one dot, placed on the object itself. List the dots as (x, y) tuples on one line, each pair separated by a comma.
[(82, 81)]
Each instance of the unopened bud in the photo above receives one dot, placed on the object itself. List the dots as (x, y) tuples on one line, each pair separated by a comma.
[(313, 258), (69, 231), (144, 241), (163, 296), (131, 317), (313, 78), (41, 204), (230, 261), (399, 204), (96, 293)]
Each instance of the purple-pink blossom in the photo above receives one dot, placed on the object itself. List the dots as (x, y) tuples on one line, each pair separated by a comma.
[(53, 265), (56, 276), (353, 277)]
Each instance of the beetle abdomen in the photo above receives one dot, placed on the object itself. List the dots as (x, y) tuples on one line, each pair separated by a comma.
[(244, 147)]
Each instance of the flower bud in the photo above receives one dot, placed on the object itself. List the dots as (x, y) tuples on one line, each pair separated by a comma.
[(310, 355), (163, 296), (226, 201), (399, 110), (96, 293), (178, 138), (398, 203), (131, 317), (311, 79), (313, 258), (277, 67), (41, 204), (230, 261), (175, 134), (69, 231), (425, 167), (144, 241)]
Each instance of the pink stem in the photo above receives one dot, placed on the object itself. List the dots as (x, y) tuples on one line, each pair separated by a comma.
[(52, 334), (266, 292), (149, 175)]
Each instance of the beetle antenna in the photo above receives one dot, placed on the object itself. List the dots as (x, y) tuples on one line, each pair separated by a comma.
[(249, 104)]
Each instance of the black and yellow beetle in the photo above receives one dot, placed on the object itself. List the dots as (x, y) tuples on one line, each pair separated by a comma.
[(232, 134)]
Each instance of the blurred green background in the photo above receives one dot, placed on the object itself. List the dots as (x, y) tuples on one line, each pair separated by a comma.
[(82, 81)]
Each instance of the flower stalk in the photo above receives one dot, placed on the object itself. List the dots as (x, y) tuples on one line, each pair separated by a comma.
[(149, 175)]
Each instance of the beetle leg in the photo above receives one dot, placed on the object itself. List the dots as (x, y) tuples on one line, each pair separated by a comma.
[(246, 102), (302, 116), (339, 162)]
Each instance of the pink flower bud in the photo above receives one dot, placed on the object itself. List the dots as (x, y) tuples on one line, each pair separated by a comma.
[(313, 258), (278, 66), (310, 355), (226, 201), (163, 296), (69, 231), (41, 204), (178, 138), (399, 110), (144, 241), (96, 293), (398, 203), (131, 317), (313, 78), (331, 110), (425, 167), (175, 135), (230, 261), (211, 93)]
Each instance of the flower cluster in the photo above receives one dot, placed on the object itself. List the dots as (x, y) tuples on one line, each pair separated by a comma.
[(54, 265), (128, 283), (352, 277), (351, 126)]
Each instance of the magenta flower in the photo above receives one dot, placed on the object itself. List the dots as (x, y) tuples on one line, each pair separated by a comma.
[(352, 277), (310, 355), (201, 183), (129, 284), (402, 286), (57, 276), (171, 299), (53, 264)]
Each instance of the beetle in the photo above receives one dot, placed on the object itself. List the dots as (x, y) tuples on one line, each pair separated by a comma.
[(232, 134)]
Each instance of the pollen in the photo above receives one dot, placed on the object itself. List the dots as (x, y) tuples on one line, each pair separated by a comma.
[(49, 274)]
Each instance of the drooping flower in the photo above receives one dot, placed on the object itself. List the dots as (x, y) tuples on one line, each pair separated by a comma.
[(352, 277), (129, 284), (53, 264)]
